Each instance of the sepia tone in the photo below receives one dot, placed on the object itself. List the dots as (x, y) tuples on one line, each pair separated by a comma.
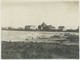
[(40, 30)]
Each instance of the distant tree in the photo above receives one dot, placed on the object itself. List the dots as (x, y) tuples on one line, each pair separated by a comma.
[(39, 27), (45, 27), (43, 24)]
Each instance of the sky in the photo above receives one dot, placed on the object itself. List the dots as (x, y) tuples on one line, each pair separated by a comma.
[(56, 13)]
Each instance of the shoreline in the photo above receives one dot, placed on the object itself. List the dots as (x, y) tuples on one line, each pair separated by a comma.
[(41, 31)]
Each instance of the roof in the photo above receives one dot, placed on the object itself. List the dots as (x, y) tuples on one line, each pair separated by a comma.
[(51, 26)]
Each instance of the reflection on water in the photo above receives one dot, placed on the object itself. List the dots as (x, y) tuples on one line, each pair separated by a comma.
[(24, 35)]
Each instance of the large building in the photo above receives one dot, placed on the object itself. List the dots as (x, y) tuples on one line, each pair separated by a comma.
[(30, 27), (51, 27), (61, 28)]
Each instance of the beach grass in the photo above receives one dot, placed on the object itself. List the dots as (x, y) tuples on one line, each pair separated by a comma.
[(38, 50)]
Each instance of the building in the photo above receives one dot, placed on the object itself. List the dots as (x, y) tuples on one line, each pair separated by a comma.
[(30, 27), (27, 27), (51, 27), (10, 28), (4, 28), (61, 28)]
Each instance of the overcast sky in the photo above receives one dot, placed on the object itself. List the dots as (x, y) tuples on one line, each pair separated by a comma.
[(61, 13)]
